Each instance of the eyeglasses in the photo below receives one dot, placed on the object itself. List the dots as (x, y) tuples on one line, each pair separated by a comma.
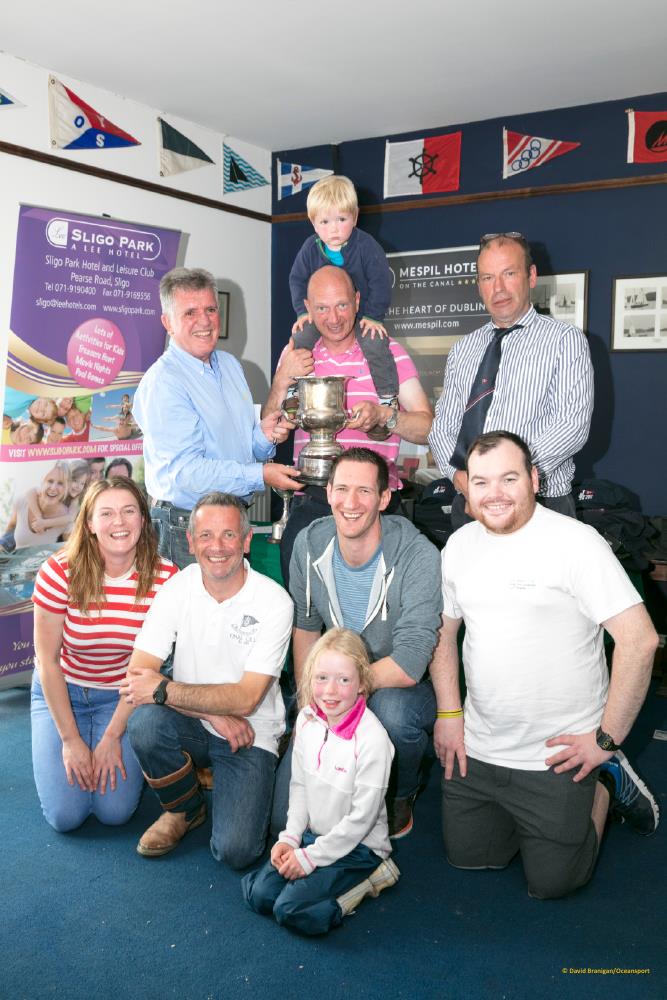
[(489, 237)]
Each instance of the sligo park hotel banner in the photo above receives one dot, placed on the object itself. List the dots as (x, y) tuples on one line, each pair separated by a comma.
[(85, 325)]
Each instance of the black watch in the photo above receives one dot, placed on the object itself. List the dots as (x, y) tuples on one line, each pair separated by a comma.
[(160, 693), (603, 740)]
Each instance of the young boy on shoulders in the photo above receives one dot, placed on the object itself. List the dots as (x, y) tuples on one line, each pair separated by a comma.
[(333, 210)]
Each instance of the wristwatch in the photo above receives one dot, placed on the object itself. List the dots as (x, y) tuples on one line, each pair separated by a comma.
[(605, 741), (393, 419), (160, 693)]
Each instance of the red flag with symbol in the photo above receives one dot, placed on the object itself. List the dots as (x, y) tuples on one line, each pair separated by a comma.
[(524, 152), (422, 166), (647, 136)]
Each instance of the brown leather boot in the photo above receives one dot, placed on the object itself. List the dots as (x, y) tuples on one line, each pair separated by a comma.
[(167, 832), (205, 778), (180, 796)]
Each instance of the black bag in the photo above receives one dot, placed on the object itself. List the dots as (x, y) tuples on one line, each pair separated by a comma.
[(615, 512), (433, 511)]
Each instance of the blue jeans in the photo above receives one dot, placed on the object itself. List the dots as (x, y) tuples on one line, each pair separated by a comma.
[(408, 715), (242, 781), (170, 525), (66, 806), (308, 905)]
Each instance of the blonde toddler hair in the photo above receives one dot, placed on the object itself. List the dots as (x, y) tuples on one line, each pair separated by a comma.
[(332, 192)]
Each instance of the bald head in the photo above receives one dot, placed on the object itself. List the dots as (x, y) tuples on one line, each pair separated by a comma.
[(332, 304), (330, 274)]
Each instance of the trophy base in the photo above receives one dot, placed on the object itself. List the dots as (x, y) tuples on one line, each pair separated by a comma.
[(314, 471), (276, 533)]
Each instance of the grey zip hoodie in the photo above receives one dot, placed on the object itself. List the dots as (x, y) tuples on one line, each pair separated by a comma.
[(405, 602)]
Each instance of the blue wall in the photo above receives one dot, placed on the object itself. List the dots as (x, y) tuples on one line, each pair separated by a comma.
[(610, 233)]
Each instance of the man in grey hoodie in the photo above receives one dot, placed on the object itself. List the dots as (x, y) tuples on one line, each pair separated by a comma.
[(381, 578)]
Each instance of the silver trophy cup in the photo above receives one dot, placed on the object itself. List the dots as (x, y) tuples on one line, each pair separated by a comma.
[(322, 414)]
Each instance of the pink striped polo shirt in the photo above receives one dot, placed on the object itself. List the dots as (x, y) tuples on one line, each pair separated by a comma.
[(358, 389)]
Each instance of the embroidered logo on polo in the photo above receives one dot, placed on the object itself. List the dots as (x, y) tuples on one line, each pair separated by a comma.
[(245, 632)]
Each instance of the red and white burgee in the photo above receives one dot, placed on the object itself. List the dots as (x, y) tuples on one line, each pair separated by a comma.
[(76, 125), (524, 152)]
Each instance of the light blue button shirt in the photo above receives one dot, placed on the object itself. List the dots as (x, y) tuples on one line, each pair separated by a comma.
[(199, 427)]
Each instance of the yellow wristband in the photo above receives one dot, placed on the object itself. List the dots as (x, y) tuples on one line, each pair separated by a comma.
[(456, 714)]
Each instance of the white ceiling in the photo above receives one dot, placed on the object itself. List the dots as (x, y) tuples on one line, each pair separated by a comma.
[(289, 73)]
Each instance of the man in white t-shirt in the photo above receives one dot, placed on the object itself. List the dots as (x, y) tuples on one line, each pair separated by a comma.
[(223, 709), (537, 749)]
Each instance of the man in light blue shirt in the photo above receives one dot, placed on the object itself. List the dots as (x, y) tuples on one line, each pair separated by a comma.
[(197, 416)]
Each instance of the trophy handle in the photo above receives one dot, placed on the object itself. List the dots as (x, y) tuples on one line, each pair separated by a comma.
[(291, 413)]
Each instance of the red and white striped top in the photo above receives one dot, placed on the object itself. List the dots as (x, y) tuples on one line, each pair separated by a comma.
[(97, 646), (358, 389)]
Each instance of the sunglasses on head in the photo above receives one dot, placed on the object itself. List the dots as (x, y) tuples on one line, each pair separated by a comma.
[(489, 237)]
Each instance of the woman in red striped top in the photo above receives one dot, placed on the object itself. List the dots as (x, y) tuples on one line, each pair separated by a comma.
[(90, 601)]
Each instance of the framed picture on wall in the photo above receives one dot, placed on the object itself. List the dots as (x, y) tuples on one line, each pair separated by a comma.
[(563, 296), (223, 306), (639, 313)]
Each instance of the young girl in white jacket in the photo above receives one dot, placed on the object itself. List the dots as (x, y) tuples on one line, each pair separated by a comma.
[(335, 848)]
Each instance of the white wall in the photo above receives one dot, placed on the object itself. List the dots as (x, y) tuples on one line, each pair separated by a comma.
[(235, 249)]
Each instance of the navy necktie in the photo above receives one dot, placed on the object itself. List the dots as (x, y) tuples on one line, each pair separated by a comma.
[(481, 394)]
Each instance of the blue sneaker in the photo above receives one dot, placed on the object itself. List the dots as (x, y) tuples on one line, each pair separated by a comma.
[(632, 799)]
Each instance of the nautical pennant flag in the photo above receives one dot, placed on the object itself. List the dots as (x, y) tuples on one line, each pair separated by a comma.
[(177, 152), (422, 166), (7, 101), (647, 136), (295, 177), (237, 174), (523, 152), (75, 125)]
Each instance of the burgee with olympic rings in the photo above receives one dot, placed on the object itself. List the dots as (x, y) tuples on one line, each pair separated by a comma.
[(523, 152)]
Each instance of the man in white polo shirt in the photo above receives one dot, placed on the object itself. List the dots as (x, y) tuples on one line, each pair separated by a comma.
[(532, 761), (223, 709)]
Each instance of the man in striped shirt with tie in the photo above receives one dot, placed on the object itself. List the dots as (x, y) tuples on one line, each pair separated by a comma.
[(521, 372)]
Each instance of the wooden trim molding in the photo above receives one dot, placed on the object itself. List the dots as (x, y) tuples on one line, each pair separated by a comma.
[(471, 199), (578, 187)]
